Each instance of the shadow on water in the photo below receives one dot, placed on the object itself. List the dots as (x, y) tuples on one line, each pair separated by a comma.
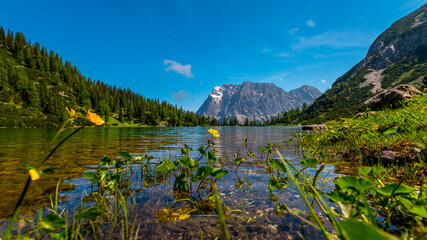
[(244, 191)]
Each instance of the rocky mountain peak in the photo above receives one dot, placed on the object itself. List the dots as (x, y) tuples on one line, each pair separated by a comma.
[(258, 101)]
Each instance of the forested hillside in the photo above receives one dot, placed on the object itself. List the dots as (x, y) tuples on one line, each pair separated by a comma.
[(36, 86)]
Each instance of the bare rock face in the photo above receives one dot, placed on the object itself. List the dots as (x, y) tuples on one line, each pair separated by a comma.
[(316, 127), (390, 97), (255, 101), (397, 56)]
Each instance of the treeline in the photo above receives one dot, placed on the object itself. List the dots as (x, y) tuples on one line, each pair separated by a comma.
[(36, 86)]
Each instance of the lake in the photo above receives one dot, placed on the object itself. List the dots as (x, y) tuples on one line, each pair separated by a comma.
[(245, 190)]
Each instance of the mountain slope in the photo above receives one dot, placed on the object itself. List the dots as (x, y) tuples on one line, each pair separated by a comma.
[(255, 101), (398, 55), (36, 86)]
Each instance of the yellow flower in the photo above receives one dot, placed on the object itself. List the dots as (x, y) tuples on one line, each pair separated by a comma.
[(425, 89), (214, 132), (71, 112), (95, 118), (34, 174)]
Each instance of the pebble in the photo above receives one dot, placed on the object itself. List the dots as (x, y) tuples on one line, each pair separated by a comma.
[(272, 229)]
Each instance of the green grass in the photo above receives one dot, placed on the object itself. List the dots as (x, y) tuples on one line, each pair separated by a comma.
[(366, 138)]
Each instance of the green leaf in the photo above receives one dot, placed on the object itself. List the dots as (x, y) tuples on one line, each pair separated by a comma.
[(118, 163), (211, 156), (273, 198), (276, 164), (377, 170), (165, 167), (419, 208), (355, 230), (187, 147), (125, 156), (340, 196), (47, 170), (105, 160), (52, 222), (90, 213), (187, 162), (202, 151), (93, 177), (218, 173), (273, 183), (308, 162), (351, 182), (181, 183), (202, 173), (281, 207), (390, 130), (401, 190), (27, 165), (239, 161), (365, 170)]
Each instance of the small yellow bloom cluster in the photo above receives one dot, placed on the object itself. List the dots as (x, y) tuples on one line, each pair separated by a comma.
[(34, 174), (72, 112), (94, 118), (214, 132)]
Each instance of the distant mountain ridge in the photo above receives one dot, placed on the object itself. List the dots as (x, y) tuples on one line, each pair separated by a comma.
[(397, 56), (255, 101)]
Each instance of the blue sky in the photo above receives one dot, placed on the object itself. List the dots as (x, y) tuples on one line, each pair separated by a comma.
[(179, 50)]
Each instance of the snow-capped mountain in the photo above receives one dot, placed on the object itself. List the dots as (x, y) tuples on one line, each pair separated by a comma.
[(255, 101)]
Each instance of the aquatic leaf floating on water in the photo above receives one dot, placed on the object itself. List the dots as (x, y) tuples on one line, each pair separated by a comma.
[(34, 174), (94, 118), (214, 132)]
